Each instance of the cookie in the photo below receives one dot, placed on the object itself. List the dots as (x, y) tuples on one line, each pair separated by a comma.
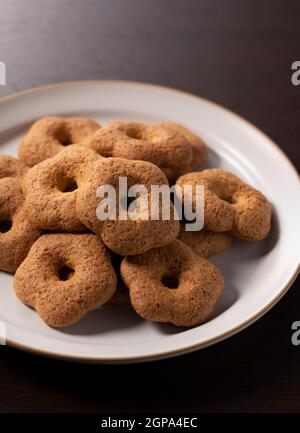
[(162, 146), (17, 234), (200, 152), (230, 205), (49, 135), (11, 167), (125, 237), (205, 243), (51, 188), (172, 284), (64, 276)]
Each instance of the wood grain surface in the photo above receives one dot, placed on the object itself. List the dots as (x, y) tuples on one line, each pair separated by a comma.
[(235, 52)]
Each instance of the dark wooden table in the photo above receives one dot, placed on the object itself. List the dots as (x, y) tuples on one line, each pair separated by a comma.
[(237, 53)]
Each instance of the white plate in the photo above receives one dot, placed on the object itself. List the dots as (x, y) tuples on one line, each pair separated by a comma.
[(256, 275)]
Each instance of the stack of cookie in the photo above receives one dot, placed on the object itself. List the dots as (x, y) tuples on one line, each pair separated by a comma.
[(68, 261)]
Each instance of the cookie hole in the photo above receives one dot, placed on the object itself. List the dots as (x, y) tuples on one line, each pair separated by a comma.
[(68, 184), (66, 140), (170, 280), (126, 202), (182, 210), (65, 273), (225, 197), (5, 226), (229, 200), (185, 220), (134, 133)]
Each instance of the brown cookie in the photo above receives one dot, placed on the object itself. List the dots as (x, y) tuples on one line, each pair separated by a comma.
[(230, 205), (51, 188), (172, 284), (50, 135), (162, 146), (64, 276), (205, 243), (17, 234), (125, 237), (200, 152), (11, 167)]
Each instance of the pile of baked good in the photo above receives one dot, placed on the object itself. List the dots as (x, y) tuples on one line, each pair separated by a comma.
[(67, 261)]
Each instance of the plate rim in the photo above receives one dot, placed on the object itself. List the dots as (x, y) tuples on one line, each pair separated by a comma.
[(186, 349)]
